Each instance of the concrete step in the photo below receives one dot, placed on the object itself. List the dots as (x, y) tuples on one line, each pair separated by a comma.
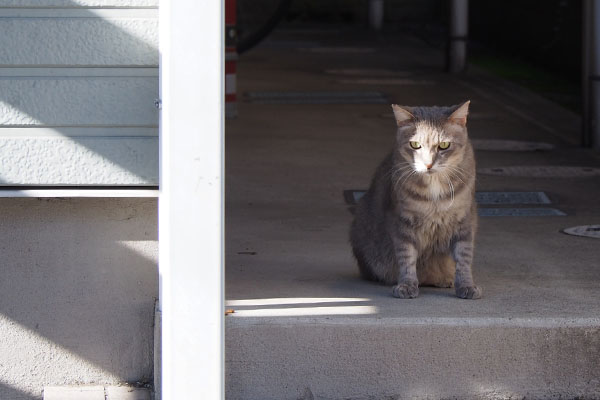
[(412, 358)]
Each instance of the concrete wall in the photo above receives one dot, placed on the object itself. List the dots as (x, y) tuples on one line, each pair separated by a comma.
[(79, 281), (78, 82)]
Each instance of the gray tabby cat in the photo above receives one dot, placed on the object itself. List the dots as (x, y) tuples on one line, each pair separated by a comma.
[(416, 224)]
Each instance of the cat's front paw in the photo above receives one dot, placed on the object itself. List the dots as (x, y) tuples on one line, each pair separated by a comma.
[(468, 292), (406, 290)]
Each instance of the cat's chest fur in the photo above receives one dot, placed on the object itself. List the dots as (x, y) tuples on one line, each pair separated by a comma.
[(435, 189), (435, 229), (435, 221)]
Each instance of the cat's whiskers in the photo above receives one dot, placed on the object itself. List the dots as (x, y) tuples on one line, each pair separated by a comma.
[(400, 170), (407, 169), (403, 168), (396, 168), (455, 174), (404, 177), (451, 187), (461, 171)]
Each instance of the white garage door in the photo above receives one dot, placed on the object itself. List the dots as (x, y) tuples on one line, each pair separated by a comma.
[(78, 83)]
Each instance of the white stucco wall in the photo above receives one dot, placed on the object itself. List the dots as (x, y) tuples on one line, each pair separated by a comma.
[(79, 281)]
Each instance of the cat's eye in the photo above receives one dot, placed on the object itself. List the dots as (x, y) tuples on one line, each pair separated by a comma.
[(444, 145), (415, 145)]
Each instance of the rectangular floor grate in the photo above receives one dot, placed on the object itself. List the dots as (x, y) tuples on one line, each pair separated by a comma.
[(512, 198), (496, 198), (316, 98), (485, 198), (520, 212)]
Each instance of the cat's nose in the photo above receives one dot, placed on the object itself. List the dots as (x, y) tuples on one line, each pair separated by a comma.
[(429, 166)]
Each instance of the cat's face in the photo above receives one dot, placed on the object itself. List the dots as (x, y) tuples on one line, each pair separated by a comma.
[(432, 140)]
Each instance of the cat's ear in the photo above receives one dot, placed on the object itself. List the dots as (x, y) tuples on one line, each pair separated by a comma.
[(459, 116), (402, 114)]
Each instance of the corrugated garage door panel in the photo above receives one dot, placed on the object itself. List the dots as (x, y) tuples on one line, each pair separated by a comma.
[(79, 3), (77, 90)]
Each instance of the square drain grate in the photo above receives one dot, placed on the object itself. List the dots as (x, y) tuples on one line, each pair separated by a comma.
[(316, 98)]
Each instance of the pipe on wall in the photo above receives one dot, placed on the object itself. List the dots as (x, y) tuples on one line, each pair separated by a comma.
[(586, 13), (376, 14), (459, 30), (592, 138)]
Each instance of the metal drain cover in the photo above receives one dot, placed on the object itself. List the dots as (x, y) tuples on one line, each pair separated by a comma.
[(509, 145), (316, 98), (542, 171), (511, 198), (592, 231), (519, 212)]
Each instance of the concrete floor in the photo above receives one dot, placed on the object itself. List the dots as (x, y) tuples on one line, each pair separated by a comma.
[(307, 327)]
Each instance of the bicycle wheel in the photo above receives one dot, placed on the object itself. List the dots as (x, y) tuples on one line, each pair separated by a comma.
[(256, 19)]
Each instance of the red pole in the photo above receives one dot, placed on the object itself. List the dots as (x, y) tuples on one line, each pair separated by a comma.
[(230, 59)]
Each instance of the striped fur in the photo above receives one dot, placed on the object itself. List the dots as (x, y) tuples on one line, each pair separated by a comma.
[(416, 226)]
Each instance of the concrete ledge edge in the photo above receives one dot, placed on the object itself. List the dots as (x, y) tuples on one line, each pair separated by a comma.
[(411, 322)]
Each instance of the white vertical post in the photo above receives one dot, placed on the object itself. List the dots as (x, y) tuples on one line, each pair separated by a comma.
[(459, 30), (594, 75), (191, 199), (376, 14)]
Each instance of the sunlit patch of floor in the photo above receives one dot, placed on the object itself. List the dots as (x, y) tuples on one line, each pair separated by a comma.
[(299, 306)]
